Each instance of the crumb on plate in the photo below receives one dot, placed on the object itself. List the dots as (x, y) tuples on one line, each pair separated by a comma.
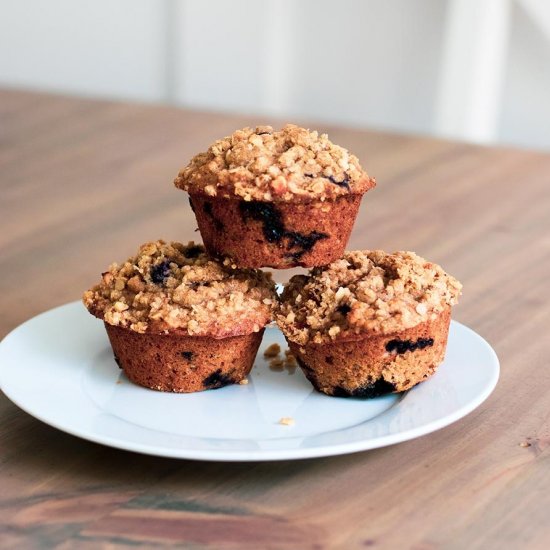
[(272, 351), (287, 421), (276, 364)]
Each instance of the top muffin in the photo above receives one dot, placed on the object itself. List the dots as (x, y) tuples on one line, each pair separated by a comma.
[(365, 291), (169, 287), (289, 165)]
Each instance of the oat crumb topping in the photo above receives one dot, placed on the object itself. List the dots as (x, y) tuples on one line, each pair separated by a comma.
[(365, 291), (169, 287), (291, 164)]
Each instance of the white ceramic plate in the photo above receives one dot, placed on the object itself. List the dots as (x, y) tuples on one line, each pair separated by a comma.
[(59, 368)]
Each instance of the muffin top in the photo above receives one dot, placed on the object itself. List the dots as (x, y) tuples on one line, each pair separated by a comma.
[(364, 292), (171, 287), (288, 165)]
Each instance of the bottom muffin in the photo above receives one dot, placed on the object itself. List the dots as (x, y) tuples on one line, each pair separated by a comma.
[(374, 365), (370, 323), (183, 363), (181, 321)]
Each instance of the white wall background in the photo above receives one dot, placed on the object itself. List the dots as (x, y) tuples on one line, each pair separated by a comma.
[(470, 69)]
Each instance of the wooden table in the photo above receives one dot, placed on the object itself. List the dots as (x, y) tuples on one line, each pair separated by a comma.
[(84, 182)]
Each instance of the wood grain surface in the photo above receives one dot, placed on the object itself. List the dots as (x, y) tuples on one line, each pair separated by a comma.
[(83, 183)]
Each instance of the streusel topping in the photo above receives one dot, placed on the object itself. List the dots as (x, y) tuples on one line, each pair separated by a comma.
[(365, 291), (170, 286), (292, 164)]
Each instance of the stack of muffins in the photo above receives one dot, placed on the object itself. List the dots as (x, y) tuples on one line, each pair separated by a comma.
[(185, 318)]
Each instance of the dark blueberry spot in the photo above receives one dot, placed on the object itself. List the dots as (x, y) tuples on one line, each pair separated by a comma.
[(160, 272), (217, 380), (343, 183), (425, 342), (303, 241), (338, 391), (274, 230), (402, 346), (193, 251), (374, 389), (268, 215), (391, 345), (309, 175), (207, 207), (344, 309), (187, 355), (191, 204)]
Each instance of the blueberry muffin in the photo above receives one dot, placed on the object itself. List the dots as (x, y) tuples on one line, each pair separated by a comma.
[(275, 198), (370, 323), (180, 321)]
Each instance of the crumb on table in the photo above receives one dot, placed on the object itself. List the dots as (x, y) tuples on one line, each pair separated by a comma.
[(244, 382)]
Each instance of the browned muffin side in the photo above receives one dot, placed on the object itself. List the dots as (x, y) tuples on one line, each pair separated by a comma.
[(278, 199), (369, 324), (180, 363), (260, 234), (181, 321)]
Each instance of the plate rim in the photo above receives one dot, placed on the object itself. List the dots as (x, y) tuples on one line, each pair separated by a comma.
[(263, 455)]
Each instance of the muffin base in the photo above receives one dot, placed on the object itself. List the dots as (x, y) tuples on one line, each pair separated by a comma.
[(183, 363), (363, 366), (280, 235)]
